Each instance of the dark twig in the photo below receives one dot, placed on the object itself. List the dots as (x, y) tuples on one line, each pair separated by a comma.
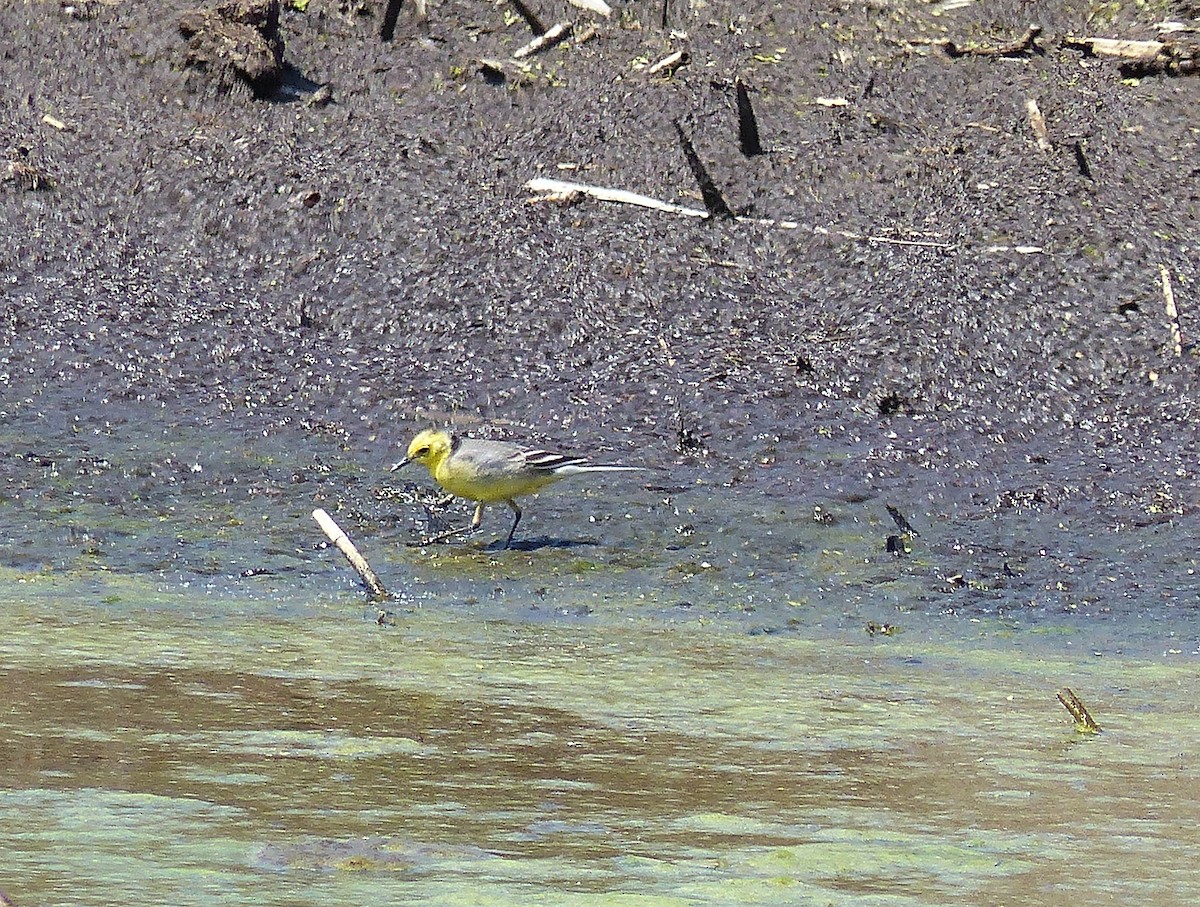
[(747, 123), (901, 523), (1084, 722), (1026, 44), (530, 17), (714, 202), (1081, 161), (390, 15)]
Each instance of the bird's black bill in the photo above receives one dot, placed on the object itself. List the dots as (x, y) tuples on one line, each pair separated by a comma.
[(400, 465)]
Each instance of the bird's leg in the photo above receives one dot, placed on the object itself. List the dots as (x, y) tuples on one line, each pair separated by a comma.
[(474, 524), (516, 519)]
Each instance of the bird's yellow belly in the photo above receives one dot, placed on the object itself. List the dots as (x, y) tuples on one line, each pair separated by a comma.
[(490, 488)]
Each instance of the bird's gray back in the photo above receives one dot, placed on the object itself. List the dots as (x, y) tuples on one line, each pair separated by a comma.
[(504, 457)]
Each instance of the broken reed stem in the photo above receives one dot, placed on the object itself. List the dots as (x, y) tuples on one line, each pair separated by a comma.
[(1138, 51), (667, 65), (1172, 312), (339, 538), (552, 189), (1084, 722), (390, 14), (1037, 123), (556, 34), (747, 123), (1142, 58)]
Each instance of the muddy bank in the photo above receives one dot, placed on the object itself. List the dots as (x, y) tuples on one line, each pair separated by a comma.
[(345, 272)]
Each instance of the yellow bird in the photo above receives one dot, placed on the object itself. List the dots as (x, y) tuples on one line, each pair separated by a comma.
[(492, 471)]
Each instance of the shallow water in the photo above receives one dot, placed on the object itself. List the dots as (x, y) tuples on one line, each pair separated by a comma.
[(664, 696)]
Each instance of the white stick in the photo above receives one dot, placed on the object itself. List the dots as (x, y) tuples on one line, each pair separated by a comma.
[(599, 7), (1129, 50), (1172, 312), (668, 64), (1037, 123), (335, 534), (862, 237), (553, 35), (544, 185), (557, 189)]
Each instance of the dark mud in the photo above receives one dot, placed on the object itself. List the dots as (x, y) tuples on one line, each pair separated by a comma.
[(289, 290)]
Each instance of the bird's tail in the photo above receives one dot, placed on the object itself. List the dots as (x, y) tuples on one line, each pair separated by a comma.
[(572, 469)]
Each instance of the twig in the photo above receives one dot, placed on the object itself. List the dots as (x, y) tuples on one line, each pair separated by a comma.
[(339, 538), (1084, 722), (27, 177), (1027, 43), (1141, 51), (530, 17), (558, 190), (714, 202), (1037, 123), (1143, 58), (556, 34), (390, 15), (668, 64), (1020, 250), (705, 260), (599, 7), (884, 240), (747, 123), (493, 71), (1081, 161), (901, 522), (1172, 312)]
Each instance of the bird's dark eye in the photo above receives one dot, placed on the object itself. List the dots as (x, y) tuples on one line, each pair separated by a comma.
[(422, 452)]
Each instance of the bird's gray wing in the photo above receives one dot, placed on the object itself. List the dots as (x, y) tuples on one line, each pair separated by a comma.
[(485, 457), (548, 461)]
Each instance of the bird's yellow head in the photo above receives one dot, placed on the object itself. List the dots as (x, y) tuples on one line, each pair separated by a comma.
[(430, 447)]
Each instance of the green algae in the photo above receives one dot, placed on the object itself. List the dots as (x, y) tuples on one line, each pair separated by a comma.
[(570, 764), (283, 744)]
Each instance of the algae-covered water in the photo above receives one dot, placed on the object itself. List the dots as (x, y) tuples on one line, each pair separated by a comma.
[(668, 694), (179, 754)]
